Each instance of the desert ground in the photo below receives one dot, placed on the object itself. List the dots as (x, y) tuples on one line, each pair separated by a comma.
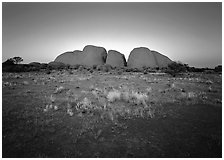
[(105, 114)]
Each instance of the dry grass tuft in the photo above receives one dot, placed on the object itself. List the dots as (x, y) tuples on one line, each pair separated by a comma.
[(59, 90), (114, 95)]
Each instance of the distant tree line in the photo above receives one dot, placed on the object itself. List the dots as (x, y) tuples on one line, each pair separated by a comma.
[(174, 69), (12, 61), (177, 68)]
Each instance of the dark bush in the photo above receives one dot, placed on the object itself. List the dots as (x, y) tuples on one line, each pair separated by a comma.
[(8, 68), (56, 65), (35, 64), (176, 68), (20, 68), (81, 68), (8, 62), (43, 66), (94, 67), (104, 68), (136, 70), (70, 71), (91, 71), (75, 66), (107, 67), (208, 71), (17, 60), (14, 60), (218, 68), (113, 67), (48, 71), (119, 72), (98, 67), (128, 70), (146, 70)]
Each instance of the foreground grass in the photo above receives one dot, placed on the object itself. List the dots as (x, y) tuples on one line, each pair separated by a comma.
[(104, 115)]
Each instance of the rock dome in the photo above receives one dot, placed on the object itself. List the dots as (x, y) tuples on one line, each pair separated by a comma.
[(93, 55), (116, 59), (143, 57), (71, 58)]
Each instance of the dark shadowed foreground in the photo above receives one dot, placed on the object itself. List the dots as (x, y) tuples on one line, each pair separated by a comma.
[(71, 114)]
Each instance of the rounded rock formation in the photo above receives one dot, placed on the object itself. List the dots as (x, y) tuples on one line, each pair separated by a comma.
[(161, 60), (116, 59), (93, 55), (140, 57), (71, 58), (143, 57)]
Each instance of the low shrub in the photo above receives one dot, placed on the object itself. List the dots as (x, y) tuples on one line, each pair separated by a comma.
[(104, 68), (20, 68), (57, 65), (176, 68), (218, 68), (114, 95), (128, 69), (43, 66), (94, 67), (75, 66), (81, 68), (8, 62)]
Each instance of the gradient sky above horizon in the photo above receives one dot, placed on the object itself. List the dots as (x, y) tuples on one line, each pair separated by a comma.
[(187, 32)]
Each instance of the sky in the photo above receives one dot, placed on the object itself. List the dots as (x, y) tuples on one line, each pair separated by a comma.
[(187, 32)]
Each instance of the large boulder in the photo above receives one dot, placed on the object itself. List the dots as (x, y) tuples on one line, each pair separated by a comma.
[(93, 55), (116, 59), (140, 57), (70, 58), (143, 57), (161, 60)]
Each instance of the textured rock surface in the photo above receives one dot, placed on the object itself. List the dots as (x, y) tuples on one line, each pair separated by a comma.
[(161, 60), (93, 55), (116, 59), (71, 58), (140, 57)]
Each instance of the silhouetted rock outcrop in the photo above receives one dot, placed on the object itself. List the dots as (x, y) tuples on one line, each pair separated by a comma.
[(115, 59), (143, 57), (93, 55), (161, 60), (71, 58)]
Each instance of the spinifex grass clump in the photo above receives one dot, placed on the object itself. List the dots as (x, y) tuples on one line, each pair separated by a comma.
[(128, 96), (135, 102), (114, 95), (84, 105), (108, 102), (52, 104)]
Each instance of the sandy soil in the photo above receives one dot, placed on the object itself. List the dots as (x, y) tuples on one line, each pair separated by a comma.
[(74, 114)]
